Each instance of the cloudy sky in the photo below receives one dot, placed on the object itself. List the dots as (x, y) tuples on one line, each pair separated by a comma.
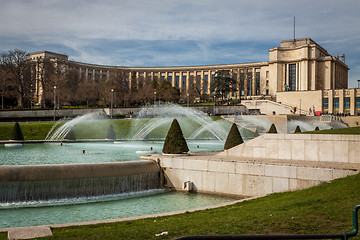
[(178, 32)]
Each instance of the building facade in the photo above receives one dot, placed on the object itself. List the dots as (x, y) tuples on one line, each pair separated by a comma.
[(298, 65)]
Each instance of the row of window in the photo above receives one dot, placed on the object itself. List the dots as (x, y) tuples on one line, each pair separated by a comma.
[(336, 103)]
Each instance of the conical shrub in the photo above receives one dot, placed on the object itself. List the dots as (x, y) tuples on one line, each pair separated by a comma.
[(272, 129), (111, 133), (317, 128), (297, 129), (17, 133), (70, 135), (175, 142), (234, 137)]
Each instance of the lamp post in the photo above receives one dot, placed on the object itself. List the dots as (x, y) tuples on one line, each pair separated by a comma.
[(112, 100), (188, 100), (214, 104), (154, 98), (300, 107), (358, 83), (54, 103)]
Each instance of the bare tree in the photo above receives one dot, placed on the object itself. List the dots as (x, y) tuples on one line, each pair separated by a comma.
[(19, 71)]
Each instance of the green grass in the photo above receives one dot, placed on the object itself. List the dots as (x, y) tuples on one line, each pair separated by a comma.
[(96, 129), (326, 208), (31, 131), (351, 130)]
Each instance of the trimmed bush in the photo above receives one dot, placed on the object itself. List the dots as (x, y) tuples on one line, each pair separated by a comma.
[(317, 128), (297, 129), (175, 142), (111, 133), (234, 137), (17, 133), (70, 135), (272, 129)]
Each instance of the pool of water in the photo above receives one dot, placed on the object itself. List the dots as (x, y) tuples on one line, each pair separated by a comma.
[(101, 208), (55, 153)]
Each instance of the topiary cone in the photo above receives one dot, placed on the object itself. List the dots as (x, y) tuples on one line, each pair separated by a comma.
[(70, 135), (175, 142), (234, 137), (317, 128), (297, 129), (111, 133), (17, 133), (272, 129)]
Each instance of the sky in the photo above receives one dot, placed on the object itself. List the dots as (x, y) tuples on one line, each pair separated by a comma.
[(150, 33)]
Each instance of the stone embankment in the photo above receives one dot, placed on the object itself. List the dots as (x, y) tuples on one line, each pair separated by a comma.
[(267, 164)]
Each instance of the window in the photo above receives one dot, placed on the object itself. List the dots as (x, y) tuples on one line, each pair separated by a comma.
[(170, 79), (212, 77), (347, 103), (206, 77), (89, 76), (357, 103), (325, 104), (336, 103), (177, 81), (292, 77), (162, 78), (249, 85)]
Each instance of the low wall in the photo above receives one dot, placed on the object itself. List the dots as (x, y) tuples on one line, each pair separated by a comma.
[(301, 147), (267, 164), (11, 173)]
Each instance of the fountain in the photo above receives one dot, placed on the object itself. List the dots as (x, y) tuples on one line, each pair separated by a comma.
[(100, 172), (195, 124)]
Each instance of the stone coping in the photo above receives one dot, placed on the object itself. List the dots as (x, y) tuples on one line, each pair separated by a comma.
[(302, 163)]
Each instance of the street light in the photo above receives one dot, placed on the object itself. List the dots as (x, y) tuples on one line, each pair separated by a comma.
[(358, 83), (154, 98), (54, 103), (300, 107), (188, 100), (214, 104), (112, 100)]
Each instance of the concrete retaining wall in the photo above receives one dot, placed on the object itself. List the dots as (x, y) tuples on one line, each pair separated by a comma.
[(268, 164), (301, 147)]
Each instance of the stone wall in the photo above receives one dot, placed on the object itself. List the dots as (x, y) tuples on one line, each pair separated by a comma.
[(267, 164), (301, 147)]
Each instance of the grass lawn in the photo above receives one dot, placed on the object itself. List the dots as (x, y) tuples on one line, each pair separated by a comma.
[(326, 208), (351, 130)]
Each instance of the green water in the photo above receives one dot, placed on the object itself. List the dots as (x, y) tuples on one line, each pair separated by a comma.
[(101, 208), (68, 153)]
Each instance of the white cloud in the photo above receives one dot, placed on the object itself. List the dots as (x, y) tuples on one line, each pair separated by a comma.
[(177, 32)]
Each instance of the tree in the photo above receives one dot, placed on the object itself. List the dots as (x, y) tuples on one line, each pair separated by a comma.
[(111, 133), (17, 133), (297, 129), (168, 93), (234, 137), (175, 142), (272, 129), (317, 128), (18, 69), (223, 84)]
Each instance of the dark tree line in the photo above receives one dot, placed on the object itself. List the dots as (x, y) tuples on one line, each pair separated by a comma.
[(26, 83)]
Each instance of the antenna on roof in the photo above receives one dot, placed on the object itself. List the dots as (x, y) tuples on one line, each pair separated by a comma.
[(294, 29)]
